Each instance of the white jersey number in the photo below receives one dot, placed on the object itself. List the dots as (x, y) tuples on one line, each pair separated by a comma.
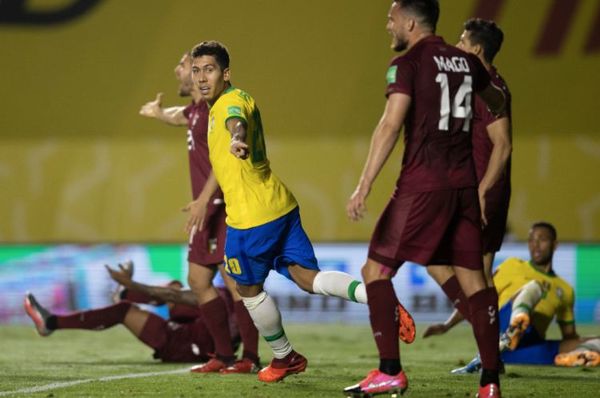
[(461, 105)]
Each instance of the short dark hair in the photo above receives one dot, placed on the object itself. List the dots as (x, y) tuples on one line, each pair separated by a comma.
[(487, 34), (548, 226), (214, 48), (427, 10)]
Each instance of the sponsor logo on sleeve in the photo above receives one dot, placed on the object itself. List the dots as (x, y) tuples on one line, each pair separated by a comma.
[(391, 74), (234, 111)]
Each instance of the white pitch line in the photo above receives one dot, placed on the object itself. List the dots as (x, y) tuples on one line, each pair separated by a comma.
[(53, 386)]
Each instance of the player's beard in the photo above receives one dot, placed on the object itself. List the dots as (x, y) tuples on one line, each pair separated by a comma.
[(399, 44)]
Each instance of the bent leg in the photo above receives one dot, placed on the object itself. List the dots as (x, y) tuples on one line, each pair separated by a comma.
[(248, 331), (445, 277), (383, 314), (488, 262), (98, 319), (328, 283), (213, 309), (483, 310), (267, 318)]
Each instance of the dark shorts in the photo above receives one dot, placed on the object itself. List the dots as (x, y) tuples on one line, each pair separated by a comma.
[(252, 253), (206, 247), (441, 227), (496, 212), (172, 342), (533, 349)]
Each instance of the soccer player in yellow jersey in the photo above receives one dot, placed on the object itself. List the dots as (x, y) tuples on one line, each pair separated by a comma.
[(530, 295), (263, 220)]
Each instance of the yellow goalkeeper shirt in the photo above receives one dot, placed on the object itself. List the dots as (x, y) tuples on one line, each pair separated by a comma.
[(558, 299), (253, 194)]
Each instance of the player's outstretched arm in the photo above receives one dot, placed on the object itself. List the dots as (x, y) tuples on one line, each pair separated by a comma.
[(173, 115), (163, 294), (500, 134), (442, 328), (382, 143)]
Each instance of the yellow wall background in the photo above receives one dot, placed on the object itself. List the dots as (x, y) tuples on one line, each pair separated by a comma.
[(78, 164)]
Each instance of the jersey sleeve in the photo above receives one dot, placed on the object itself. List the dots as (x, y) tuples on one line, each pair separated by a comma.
[(481, 77), (400, 77), (484, 113), (565, 313), (234, 107)]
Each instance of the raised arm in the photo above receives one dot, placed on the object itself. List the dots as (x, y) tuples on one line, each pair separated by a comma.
[(382, 143), (173, 116), (238, 129), (165, 294)]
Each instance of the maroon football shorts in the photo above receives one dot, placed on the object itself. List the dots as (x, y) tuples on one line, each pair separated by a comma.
[(172, 342), (206, 247), (496, 212), (440, 227)]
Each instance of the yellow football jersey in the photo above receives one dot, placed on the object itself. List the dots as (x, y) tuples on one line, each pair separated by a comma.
[(558, 299), (253, 194)]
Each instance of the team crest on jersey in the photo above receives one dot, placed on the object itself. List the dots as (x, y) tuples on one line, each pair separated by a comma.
[(190, 140), (391, 74)]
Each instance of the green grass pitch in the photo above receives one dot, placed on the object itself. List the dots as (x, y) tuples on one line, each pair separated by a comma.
[(339, 355)]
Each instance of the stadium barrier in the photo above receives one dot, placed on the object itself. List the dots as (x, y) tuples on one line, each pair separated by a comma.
[(71, 277)]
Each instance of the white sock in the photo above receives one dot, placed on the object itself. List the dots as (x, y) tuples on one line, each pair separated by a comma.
[(527, 298), (267, 318), (340, 284), (590, 345)]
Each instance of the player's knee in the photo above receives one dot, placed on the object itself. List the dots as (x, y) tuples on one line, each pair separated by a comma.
[(248, 290), (252, 303), (372, 272), (198, 283), (440, 273), (303, 277), (535, 286)]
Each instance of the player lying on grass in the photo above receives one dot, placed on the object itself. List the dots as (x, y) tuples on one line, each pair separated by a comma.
[(181, 338), (530, 296)]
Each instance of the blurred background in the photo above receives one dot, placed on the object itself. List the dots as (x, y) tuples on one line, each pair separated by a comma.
[(85, 180)]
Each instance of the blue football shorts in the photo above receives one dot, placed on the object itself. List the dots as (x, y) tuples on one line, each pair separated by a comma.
[(251, 253), (533, 349)]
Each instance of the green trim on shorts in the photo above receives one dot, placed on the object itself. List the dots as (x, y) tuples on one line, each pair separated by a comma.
[(352, 290), (276, 336)]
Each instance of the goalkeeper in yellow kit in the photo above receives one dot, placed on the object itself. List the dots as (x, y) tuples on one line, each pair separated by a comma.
[(530, 295)]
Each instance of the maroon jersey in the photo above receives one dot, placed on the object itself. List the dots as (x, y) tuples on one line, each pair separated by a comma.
[(200, 168), (441, 81), (482, 145)]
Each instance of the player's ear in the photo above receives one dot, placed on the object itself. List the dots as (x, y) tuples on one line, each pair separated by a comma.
[(410, 24), (226, 74), (477, 49)]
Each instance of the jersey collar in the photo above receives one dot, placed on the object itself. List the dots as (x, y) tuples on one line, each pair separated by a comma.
[(549, 273)]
